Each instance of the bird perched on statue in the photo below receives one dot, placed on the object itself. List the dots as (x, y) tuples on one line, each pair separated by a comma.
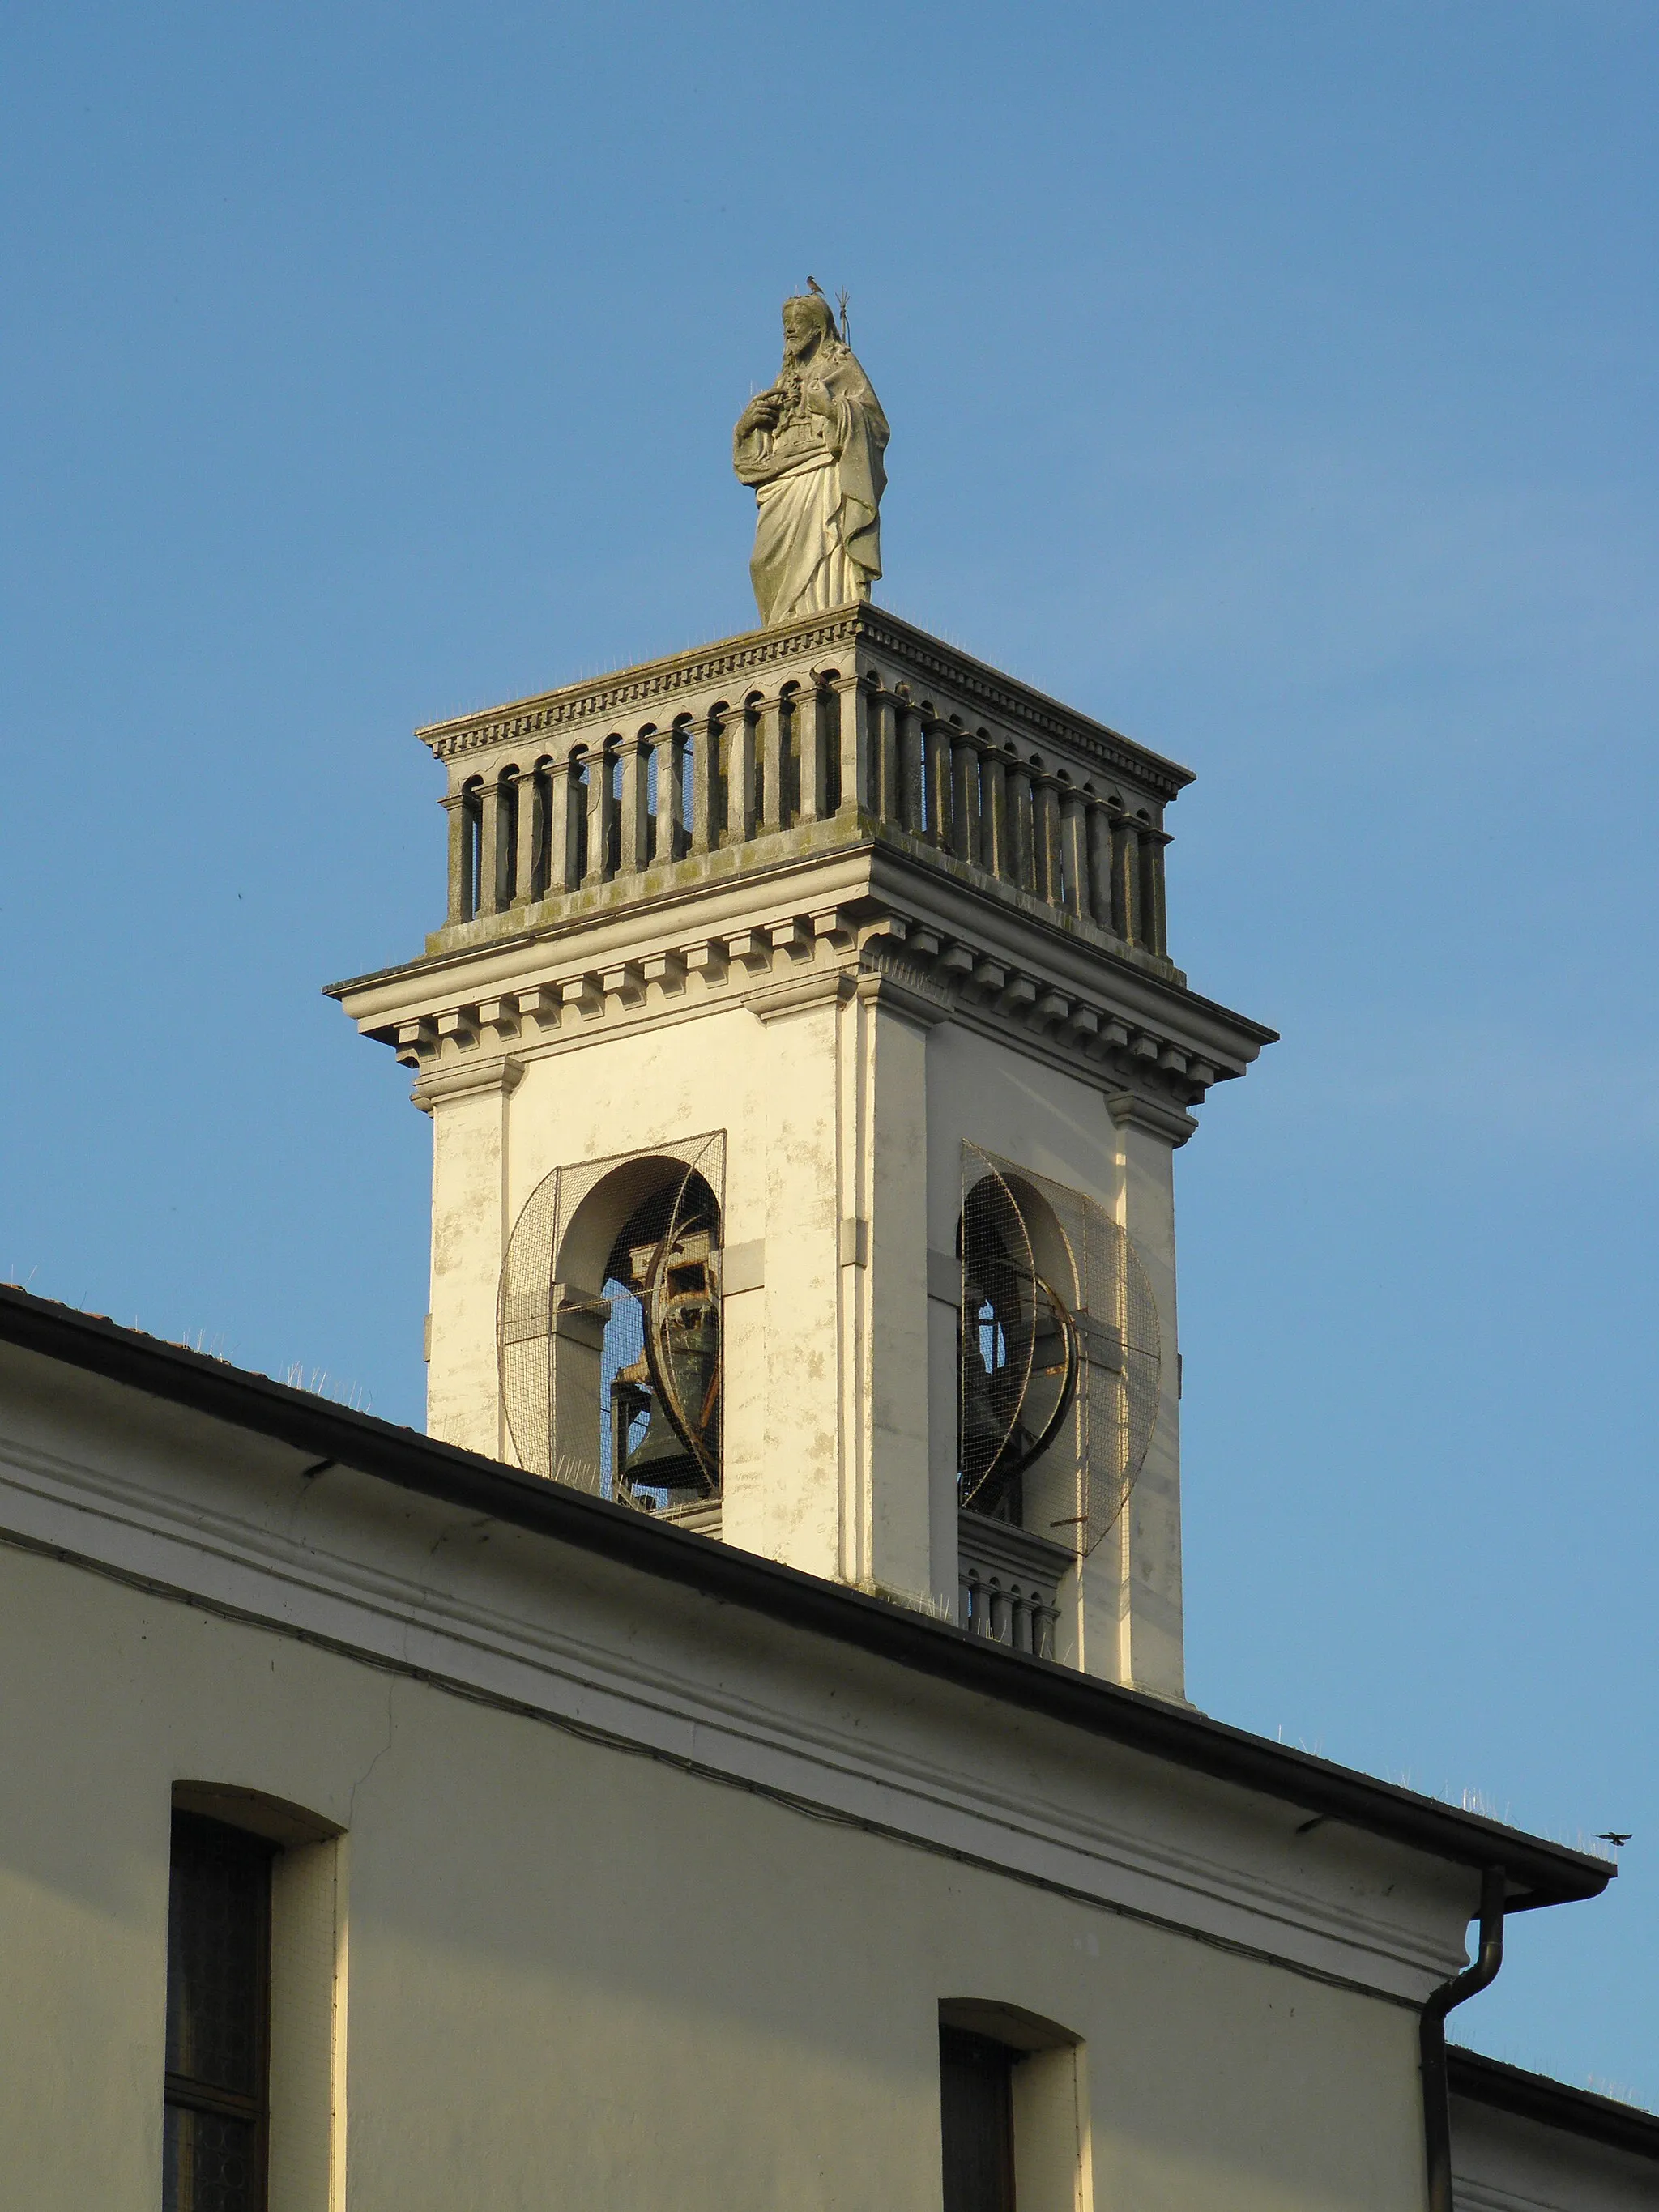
[(818, 293), (1611, 1836)]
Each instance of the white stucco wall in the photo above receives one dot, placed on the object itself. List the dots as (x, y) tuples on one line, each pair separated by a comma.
[(844, 1109), (1122, 1612), (577, 1976)]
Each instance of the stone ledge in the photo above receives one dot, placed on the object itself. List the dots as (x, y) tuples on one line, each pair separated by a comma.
[(865, 627)]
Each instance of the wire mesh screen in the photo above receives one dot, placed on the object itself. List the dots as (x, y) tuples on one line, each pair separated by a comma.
[(613, 1384), (1061, 1358)]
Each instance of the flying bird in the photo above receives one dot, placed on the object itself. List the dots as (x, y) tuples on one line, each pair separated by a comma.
[(1611, 1836)]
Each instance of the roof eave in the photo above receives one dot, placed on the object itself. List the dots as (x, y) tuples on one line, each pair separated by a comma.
[(1540, 1872)]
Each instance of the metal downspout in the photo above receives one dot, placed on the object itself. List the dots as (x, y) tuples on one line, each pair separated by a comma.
[(1432, 2037)]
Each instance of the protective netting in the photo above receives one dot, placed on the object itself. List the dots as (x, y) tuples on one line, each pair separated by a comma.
[(614, 1386), (1060, 1355)]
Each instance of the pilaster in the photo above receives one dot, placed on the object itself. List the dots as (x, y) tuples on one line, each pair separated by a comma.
[(782, 1478), (1132, 1606), (886, 1517), (469, 1107)]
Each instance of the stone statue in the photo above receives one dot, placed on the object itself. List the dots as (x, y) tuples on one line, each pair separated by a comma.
[(811, 445)]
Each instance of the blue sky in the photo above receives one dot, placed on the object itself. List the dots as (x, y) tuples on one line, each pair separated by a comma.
[(1276, 383)]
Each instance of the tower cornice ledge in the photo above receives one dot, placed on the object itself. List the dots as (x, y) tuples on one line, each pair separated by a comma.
[(872, 633), (952, 951)]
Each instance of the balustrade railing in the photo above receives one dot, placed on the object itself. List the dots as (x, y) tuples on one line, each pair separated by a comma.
[(1008, 1582), (601, 810)]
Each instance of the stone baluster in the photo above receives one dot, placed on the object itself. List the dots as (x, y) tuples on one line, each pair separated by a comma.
[(994, 851), (601, 810), (739, 735), (1022, 854), (1100, 866), (492, 842), (1019, 1618), (564, 824), (1154, 922), (527, 884), (997, 1628), (884, 782), (634, 819), (773, 736), (702, 765), (855, 744), (460, 807), (813, 709), (936, 779), (1074, 851), (668, 748), (1126, 879), (965, 832), (1045, 867), (796, 709)]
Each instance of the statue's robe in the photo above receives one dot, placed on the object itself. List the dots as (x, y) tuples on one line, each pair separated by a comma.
[(817, 482)]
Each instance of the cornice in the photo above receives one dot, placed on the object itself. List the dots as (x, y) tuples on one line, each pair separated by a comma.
[(552, 1000), (863, 628), (1551, 2104), (316, 1555), (907, 988), (1006, 696), (599, 697), (1006, 968)]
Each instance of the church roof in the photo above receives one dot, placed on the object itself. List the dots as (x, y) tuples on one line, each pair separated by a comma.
[(1539, 1872), (1553, 2103)]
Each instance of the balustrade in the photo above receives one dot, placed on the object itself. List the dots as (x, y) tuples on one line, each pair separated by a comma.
[(1008, 1582), (1007, 1610), (649, 797)]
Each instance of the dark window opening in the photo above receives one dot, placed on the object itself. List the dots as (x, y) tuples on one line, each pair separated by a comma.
[(977, 2121), (218, 2019), (661, 1362)]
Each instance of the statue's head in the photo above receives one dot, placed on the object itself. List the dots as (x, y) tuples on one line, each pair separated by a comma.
[(807, 321)]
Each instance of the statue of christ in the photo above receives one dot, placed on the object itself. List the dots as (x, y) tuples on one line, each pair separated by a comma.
[(811, 445)]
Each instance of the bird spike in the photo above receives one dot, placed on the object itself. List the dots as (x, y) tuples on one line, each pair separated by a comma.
[(842, 298)]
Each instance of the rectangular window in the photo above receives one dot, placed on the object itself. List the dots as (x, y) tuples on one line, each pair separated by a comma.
[(218, 2019), (976, 2118)]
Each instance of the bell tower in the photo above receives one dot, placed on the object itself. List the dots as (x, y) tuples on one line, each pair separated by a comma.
[(806, 1067)]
